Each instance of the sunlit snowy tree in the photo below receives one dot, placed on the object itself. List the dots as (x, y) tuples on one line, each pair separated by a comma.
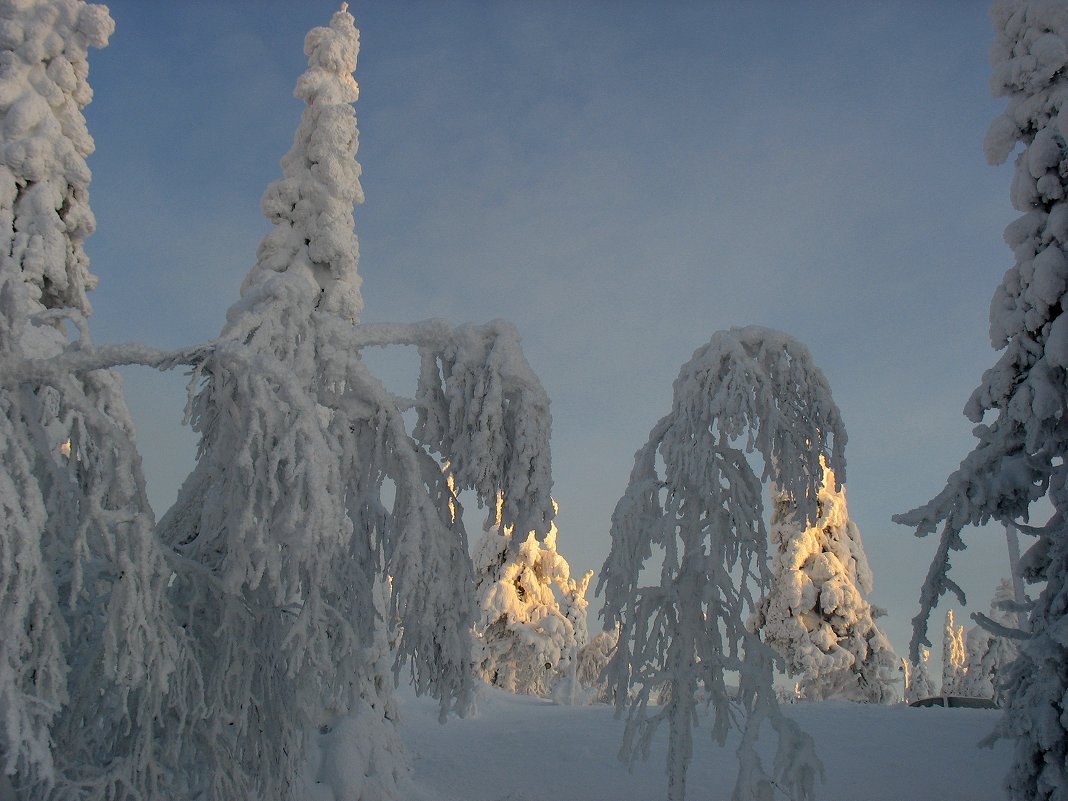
[(816, 616), (954, 656), (87, 647), (1019, 408), (532, 613), (309, 490), (695, 496)]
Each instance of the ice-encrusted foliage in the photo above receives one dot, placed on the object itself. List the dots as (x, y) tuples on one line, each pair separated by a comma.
[(816, 616), (532, 615), (89, 648), (309, 491), (695, 497), (1019, 407)]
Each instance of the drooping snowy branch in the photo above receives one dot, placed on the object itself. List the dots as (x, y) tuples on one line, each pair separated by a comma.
[(695, 496), (481, 407)]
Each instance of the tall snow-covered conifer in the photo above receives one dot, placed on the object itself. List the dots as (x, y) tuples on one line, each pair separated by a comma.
[(310, 497), (88, 648), (695, 497), (816, 616), (1019, 407)]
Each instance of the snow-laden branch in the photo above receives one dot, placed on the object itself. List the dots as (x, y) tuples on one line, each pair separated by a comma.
[(79, 361)]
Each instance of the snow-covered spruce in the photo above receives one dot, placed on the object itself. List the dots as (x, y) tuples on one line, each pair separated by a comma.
[(309, 493), (918, 682), (954, 656), (815, 615), (85, 630), (532, 614), (989, 653), (1019, 406), (695, 497)]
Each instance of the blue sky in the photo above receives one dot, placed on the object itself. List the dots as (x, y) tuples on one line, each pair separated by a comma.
[(620, 180)]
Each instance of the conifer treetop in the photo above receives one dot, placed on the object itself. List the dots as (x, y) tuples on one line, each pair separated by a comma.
[(44, 179), (310, 258)]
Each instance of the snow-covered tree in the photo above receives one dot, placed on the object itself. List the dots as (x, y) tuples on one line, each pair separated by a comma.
[(954, 656), (88, 645), (532, 614), (695, 496), (918, 682), (1018, 408), (309, 490), (990, 654), (815, 615), (593, 658)]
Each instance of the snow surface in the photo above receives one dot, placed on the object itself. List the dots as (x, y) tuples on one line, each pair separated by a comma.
[(519, 748)]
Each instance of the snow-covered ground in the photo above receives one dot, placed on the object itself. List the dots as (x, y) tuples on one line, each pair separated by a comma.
[(525, 749)]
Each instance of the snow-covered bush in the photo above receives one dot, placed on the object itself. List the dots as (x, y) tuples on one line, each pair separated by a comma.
[(815, 616), (1018, 408), (694, 496), (532, 614)]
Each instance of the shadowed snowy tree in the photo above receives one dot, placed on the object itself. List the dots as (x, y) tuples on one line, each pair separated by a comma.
[(309, 491), (990, 654), (816, 616), (918, 682), (1019, 408), (309, 496), (695, 497), (87, 646)]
